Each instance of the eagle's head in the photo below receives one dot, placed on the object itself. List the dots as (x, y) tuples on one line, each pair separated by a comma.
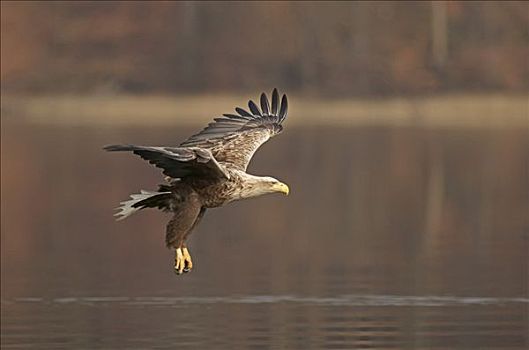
[(255, 186), (272, 185)]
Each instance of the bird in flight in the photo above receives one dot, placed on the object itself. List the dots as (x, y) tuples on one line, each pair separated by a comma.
[(208, 170)]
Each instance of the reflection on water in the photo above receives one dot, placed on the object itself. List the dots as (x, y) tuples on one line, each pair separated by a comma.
[(391, 238), (348, 300), (266, 321)]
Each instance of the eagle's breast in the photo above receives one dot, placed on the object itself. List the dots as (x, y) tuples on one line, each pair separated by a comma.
[(216, 193)]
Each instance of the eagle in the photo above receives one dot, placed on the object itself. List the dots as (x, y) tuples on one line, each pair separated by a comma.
[(208, 170)]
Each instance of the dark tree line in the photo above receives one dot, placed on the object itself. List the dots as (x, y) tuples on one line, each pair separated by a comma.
[(343, 48)]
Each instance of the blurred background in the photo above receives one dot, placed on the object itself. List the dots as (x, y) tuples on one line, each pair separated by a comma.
[(406, 150)]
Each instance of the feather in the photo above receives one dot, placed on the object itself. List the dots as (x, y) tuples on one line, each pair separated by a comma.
[(224, 120), (145, 199), (242, 112), (253, 107), (264, 104), (236, 117), (284, 108), (233, 139), (178, 162), (275, 100)]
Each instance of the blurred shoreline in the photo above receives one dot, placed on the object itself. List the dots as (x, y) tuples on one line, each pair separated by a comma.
[(437, 111)]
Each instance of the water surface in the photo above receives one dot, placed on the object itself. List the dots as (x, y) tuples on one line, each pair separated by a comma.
[(396, 238)]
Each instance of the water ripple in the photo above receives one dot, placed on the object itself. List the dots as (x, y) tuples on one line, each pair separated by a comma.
[(342, 300)]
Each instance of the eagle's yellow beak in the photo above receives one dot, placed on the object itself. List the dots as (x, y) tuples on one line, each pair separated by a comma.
[(281, 187)]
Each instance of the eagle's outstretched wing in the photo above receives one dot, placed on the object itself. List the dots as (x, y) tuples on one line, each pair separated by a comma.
[(178, 162), (234, 138)]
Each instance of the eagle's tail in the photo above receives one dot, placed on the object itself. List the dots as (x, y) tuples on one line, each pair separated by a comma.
[(145, 199)]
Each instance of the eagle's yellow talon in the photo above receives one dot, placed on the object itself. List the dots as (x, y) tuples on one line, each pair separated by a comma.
[(183, 262), (188, 264), (179, 262)]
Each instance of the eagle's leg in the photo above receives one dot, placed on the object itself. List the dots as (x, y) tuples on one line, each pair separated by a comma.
[(179, 261), (187, 212), (188, 263), (183, 262)]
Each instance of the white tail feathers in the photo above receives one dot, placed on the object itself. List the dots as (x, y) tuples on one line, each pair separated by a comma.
[(131, 206)]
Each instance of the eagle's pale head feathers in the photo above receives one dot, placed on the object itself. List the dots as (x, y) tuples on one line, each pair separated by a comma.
[(254, 186)]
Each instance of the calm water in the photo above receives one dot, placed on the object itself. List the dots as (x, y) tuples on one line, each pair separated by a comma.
[(396, 238)]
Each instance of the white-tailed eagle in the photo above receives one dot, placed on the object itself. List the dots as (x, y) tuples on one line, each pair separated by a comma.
[(208, 170)]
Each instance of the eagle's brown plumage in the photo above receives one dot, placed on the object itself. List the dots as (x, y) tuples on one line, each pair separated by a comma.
[(208, 170)]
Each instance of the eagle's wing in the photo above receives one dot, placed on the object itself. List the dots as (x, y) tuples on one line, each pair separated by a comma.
[(234, 138), (178, 162)]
